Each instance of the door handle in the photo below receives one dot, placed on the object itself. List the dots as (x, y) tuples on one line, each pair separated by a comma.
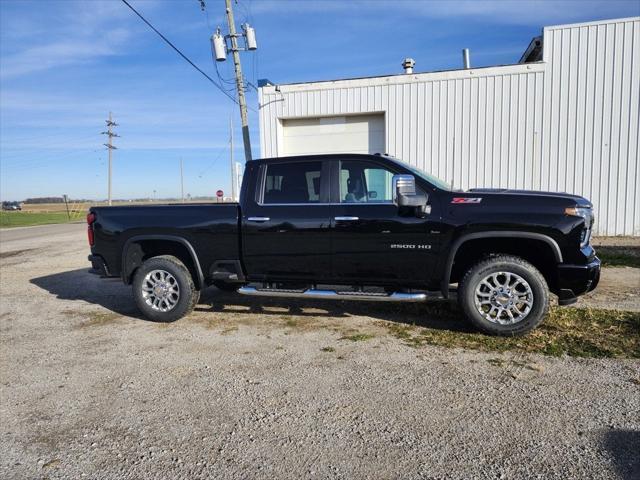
[(258, 219), (346, 219)]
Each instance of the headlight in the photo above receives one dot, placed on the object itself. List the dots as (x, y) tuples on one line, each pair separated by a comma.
[(587, 214)]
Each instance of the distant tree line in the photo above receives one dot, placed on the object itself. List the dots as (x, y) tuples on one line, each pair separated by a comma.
[(38, 200), (45, 200)]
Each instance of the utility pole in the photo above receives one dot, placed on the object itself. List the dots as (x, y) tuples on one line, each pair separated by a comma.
[(110, 146), (239, 82), (181, 181)]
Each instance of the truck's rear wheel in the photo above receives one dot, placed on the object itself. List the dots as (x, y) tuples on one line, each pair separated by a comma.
[(164, 290), (504, 295)]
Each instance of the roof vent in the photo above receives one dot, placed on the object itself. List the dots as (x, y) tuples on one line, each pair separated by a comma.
[(408, 64), (466, 61)]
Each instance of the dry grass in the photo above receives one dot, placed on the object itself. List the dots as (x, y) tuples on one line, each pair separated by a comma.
[(358, 337), (576, 332), (619, 256), (53, 207)]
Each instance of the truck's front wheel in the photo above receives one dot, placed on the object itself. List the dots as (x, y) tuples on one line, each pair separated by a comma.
[(504, 295), (164, 290)]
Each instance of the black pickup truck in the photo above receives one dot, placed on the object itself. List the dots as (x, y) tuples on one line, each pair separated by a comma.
[(355, 227)]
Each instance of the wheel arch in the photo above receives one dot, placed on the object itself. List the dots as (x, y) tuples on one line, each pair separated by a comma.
[(551, 250), (140, 247)]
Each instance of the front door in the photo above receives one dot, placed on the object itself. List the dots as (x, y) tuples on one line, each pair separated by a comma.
[(286, 230), (373, 240)]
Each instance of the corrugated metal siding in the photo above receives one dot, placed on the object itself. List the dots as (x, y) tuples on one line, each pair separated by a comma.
[(591, 119), (466, 130), (568, 124)]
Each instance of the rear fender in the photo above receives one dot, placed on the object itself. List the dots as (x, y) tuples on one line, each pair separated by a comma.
[(133, 254)]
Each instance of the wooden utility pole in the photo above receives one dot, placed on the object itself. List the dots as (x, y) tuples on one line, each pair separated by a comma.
[(110, 146), (66, 203), (239, 82), (181, 181)]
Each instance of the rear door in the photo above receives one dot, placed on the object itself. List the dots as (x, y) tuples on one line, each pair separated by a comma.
[(286, 226), (374, 241)]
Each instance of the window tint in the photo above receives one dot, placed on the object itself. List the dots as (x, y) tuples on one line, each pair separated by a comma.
[(363, 182), (293, 183)]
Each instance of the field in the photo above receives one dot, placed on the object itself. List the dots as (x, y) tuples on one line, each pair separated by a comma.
[(25, 219), (43, 214), (50, 213)]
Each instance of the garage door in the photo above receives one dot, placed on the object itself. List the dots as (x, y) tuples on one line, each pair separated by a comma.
[(344, 134)]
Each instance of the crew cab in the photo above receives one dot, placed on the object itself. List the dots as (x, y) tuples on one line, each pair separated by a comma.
[(355, 227)]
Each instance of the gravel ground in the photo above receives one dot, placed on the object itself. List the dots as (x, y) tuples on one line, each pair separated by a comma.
[(244, 390)]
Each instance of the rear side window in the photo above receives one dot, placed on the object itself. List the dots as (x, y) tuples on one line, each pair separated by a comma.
[(292, 183)]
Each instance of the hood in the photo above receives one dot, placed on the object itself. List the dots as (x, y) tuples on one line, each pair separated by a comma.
[(576, 199)]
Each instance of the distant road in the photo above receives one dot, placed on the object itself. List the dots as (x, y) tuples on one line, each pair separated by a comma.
[(17, 234)]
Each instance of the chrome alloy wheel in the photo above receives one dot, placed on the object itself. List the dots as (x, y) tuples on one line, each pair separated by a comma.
[(504, 298), (160, 290)]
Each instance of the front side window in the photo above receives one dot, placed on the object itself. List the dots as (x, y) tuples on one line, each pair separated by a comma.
[(292, 183), (364, 182)]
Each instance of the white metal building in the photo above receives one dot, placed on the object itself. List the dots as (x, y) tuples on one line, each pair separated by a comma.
[(566, 118)]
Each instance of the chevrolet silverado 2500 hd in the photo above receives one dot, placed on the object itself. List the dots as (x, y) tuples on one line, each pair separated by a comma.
[(365, 227)]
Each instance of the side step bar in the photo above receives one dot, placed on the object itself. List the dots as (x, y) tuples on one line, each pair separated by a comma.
[(333, 295)]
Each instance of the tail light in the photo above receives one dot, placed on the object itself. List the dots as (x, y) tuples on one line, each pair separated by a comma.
[(91, 217)]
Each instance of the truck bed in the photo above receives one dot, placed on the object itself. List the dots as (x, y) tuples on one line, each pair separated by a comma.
[(211, 230)]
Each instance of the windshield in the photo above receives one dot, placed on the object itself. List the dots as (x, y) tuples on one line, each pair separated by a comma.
[(441, 184)]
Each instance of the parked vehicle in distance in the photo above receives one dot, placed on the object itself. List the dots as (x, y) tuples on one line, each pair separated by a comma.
[(355, 227), (11, 206)]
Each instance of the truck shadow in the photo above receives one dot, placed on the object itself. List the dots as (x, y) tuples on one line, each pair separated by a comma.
[(114, 296), (437, 314), (81, 285), (624, 445)]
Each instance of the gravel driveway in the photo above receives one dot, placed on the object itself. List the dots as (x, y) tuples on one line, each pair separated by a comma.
[(242, 390)]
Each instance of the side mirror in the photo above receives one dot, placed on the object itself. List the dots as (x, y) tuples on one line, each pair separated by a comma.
[(405, 195)]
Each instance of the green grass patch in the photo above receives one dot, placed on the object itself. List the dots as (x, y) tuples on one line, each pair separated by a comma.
[(328, 349), (577, 332), (627, 256), (26, 219)]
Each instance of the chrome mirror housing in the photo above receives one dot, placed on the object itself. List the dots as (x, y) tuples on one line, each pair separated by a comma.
[(405, 194)]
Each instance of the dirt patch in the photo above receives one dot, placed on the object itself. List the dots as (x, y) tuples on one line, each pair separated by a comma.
[(93, 319), (619, 289), (14, 253), (615, 241)]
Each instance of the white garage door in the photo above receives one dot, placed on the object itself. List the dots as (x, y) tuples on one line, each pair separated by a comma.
[(345, 134)]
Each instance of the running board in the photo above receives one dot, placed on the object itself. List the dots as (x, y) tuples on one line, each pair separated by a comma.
[(333, 295)]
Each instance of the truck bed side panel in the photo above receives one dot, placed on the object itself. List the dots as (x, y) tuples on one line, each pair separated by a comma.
[(211, 229)]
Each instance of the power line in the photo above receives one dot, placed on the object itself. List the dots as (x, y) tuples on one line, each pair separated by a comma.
[(219, 87), (213, 163)]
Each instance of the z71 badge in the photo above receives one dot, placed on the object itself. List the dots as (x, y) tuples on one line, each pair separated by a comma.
[(466, 200)]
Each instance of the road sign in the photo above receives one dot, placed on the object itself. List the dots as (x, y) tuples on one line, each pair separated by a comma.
[(219, 194)]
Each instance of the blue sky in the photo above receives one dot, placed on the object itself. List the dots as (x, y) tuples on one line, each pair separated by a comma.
[(64, 64)]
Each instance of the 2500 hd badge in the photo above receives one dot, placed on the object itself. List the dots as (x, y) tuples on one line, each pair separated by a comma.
[(410, 246)]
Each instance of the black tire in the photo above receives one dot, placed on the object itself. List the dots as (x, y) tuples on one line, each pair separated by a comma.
[(187, 297), (537, 286), (227, 287)]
